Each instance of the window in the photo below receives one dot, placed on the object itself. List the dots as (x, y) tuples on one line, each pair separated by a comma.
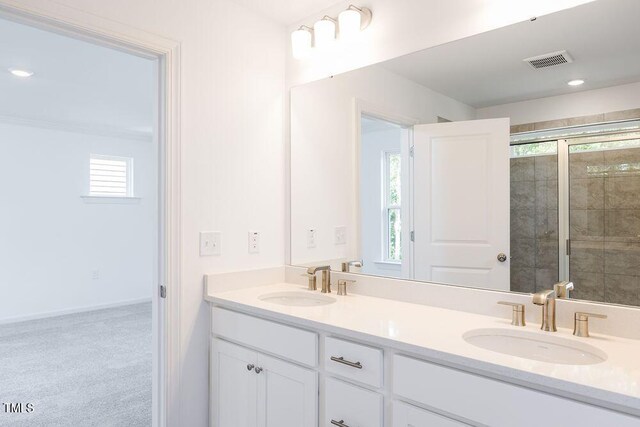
[(110, 176), (391, 211), (534, 149)]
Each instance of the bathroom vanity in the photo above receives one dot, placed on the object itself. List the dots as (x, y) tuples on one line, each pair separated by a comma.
[(453, 178), (282, 355)]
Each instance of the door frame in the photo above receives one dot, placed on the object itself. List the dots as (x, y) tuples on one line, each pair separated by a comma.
[(362, 107), (166, 311)]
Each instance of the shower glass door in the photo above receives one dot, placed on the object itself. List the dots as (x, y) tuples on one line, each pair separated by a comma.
[(604, 217)]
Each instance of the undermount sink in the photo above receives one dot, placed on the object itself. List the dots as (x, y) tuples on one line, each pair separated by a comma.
[(294, 298), (530, 345)]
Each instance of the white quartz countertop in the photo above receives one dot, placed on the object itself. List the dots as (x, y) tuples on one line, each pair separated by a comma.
[(436, 334)]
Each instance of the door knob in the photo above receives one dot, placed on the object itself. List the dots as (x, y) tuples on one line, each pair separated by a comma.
[(502, 257)]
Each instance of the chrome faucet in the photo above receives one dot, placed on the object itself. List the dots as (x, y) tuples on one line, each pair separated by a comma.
[(547, 299), (562, 289), (346, 266), (326, 277)]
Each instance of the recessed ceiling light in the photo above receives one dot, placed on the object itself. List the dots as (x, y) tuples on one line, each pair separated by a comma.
[(20, 73), (577, 82)]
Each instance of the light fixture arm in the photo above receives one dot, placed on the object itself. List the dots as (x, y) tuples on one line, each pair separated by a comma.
[(366, 14)]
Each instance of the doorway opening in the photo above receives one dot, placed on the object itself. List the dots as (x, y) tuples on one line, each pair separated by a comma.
[(384, 192), (84, 228)]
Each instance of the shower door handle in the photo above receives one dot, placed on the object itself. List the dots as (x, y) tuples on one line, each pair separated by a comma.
[(502, 257)]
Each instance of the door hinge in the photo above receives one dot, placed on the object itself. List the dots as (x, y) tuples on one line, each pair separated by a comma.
[(163, 291), (569, 247), (411, 151), (412, 236)]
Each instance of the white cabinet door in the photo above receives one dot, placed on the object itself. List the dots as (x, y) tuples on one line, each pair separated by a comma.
[(461, 203), (287, 394), (405, 415), (234, 385)]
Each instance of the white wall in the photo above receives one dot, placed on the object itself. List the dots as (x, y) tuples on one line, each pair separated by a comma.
[(324, 152), (584, 103), (374, 146), (52, 241)]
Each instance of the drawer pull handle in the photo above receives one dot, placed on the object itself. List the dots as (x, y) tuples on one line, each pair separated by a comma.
[(339, 423), (346, 362)]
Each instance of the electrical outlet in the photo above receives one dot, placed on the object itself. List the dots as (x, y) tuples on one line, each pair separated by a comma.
[(210, 243), (95, 274), (311, 238), (254, 242), (340, 235)]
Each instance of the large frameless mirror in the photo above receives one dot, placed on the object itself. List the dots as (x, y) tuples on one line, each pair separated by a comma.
[(509, 160)]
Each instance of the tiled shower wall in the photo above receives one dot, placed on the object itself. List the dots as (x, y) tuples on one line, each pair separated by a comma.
[(534, 223), (605, 225)]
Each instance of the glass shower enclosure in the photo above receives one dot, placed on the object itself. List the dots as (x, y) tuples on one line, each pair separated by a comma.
[(575, 211)]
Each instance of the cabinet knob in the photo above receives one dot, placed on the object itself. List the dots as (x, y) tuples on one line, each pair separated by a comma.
[(339, 423), (249, 367), (258, 369)]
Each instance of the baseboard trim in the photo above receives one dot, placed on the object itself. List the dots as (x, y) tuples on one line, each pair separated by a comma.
[(57, 313)]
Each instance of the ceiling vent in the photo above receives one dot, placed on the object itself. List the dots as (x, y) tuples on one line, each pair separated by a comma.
[(549, 59)]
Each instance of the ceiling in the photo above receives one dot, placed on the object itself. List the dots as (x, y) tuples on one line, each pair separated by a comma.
[(76, 83), (287, 12), (603, 37), (373, 124)]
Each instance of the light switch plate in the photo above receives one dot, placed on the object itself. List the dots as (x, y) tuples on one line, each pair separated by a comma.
[(210, 243), (311, 238), (340, 235), (254, 242)]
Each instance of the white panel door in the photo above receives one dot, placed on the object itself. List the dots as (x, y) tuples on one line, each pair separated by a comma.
[(461, 203), (287, 394), (234, 385)]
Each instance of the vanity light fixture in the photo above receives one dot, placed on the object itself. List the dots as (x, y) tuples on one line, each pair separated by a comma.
[(352, 21), (21, 73), (301, 42), (325, 32), (576, 82)]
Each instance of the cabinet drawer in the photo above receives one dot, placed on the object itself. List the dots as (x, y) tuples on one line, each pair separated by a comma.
[(491, 402), (285, 341), (352, 405), (354, 361), (405, 415)]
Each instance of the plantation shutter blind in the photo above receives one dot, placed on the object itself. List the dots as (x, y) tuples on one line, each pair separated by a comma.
[(110, 176)]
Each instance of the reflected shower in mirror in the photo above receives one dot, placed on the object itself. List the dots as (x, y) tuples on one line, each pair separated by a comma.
[(481, 162)]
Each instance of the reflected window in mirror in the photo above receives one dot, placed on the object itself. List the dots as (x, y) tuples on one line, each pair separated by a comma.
[(392, 208)]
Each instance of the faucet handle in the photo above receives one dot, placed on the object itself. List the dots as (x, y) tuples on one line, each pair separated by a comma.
[(342, 286), (312, 281), (517, 313), (581, 323), (562, 289)]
